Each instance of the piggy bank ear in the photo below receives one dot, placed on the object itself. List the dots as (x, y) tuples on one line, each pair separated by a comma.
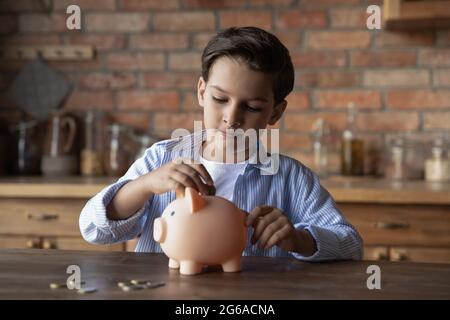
[(193, 200)]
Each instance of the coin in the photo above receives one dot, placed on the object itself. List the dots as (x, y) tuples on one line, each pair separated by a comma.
[(55, 285), (87, 290)]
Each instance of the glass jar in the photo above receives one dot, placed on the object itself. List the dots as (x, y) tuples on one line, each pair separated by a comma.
[(437, 164), (92, 152), (119, 150), (404, 159), (27, 148)]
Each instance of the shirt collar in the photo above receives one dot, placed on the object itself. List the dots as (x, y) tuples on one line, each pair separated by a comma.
[(189, 146)]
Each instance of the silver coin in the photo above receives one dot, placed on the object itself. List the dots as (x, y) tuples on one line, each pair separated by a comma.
[(87, 290)]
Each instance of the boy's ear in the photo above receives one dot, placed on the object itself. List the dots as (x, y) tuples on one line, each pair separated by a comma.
[(201, 87), (277, 112)]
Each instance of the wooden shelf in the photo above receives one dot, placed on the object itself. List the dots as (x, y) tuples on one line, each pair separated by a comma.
[(416, 15)]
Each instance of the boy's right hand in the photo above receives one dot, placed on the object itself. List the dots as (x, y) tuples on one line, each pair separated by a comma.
[(177, 175)]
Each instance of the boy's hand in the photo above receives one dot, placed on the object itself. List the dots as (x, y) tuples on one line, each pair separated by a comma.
[(177, 175), (272, 227)]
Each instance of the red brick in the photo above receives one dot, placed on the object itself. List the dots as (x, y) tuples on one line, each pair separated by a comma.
[(115, 80), (185, 21), (214, 4), (303, 122), (348, 17), (314, 59), (418, 99), (256, 18), (190, 102), (135, 61), (333, 99), (270, 3), (435, 57), (338, 39), (6, 78), (146, 100), (441, 78), (328, 79), (185, 61), (436, 120), (159, 41), (8, 23), (83, 100), (116, 22), (289, 19), (85, 5), (385, 58), (291, 39), (150, 4), (42, 22), (298, 100), (140, 120), (294, 141), (387, 121), (172, 121), (101, 42), (443, 37), (404, 39), (21, 6), (328, 2), (396, 78), (171, 80), (200, 40), (29, 39), (6, 103)]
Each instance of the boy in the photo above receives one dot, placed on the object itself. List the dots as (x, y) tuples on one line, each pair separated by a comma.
[(246, 75)]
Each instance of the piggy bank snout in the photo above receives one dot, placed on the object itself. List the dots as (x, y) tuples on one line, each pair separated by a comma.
[(159, 230)]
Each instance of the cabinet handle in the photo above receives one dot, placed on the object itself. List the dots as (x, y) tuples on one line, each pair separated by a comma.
[(42, 216), (399, 256), (392, 225), (32, 244), (380, 256), (48, 244)]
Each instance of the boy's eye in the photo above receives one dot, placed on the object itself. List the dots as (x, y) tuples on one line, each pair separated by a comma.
[(253, 109), (219, 100)]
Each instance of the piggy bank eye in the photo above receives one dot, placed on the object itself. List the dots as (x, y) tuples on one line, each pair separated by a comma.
[(172, 213)]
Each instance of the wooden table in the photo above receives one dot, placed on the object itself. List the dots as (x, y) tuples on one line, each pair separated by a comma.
[(26, 274)]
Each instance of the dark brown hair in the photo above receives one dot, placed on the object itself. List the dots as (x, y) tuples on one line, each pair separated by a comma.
[(259, 49)]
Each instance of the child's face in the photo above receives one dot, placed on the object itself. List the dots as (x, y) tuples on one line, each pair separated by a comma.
[(236, 97)]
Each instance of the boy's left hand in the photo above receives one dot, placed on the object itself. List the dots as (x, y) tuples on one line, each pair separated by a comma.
[(272, 227)]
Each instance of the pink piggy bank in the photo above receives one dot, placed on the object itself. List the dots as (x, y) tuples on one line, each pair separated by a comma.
[(197, 230)]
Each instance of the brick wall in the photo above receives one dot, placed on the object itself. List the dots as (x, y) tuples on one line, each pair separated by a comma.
[(148, 63)]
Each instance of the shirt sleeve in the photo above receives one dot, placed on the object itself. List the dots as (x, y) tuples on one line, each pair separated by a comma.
[(94, 225), (316, 212)]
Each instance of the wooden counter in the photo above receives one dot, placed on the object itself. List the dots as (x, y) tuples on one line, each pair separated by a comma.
[(397, 220), (26, 274), (343, 189)]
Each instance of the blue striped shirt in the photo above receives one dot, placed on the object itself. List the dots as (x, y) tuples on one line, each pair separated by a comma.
[(292, 188)]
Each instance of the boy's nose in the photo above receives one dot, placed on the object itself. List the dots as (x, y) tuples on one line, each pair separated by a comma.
[(233, 117)]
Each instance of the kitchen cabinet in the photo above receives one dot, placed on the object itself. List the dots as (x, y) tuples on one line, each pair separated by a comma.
[(398, 221)]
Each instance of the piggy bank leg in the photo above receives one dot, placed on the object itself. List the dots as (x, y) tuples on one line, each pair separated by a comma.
[(174, 264), (190, 267), (233, 265)]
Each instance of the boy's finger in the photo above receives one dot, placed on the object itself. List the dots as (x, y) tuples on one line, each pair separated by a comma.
[(183, 180), (257, 212), (269, 232), (262, 223), (189, 171), (277, 237), (203, 173)]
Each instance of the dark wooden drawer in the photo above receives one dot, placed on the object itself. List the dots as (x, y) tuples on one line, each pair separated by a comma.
[(400, 225), (435, 255), (40, 217)]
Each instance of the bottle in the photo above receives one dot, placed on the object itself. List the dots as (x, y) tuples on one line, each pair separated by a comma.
[(352, 147), (119, 150), (320, 132), (437, 167)]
